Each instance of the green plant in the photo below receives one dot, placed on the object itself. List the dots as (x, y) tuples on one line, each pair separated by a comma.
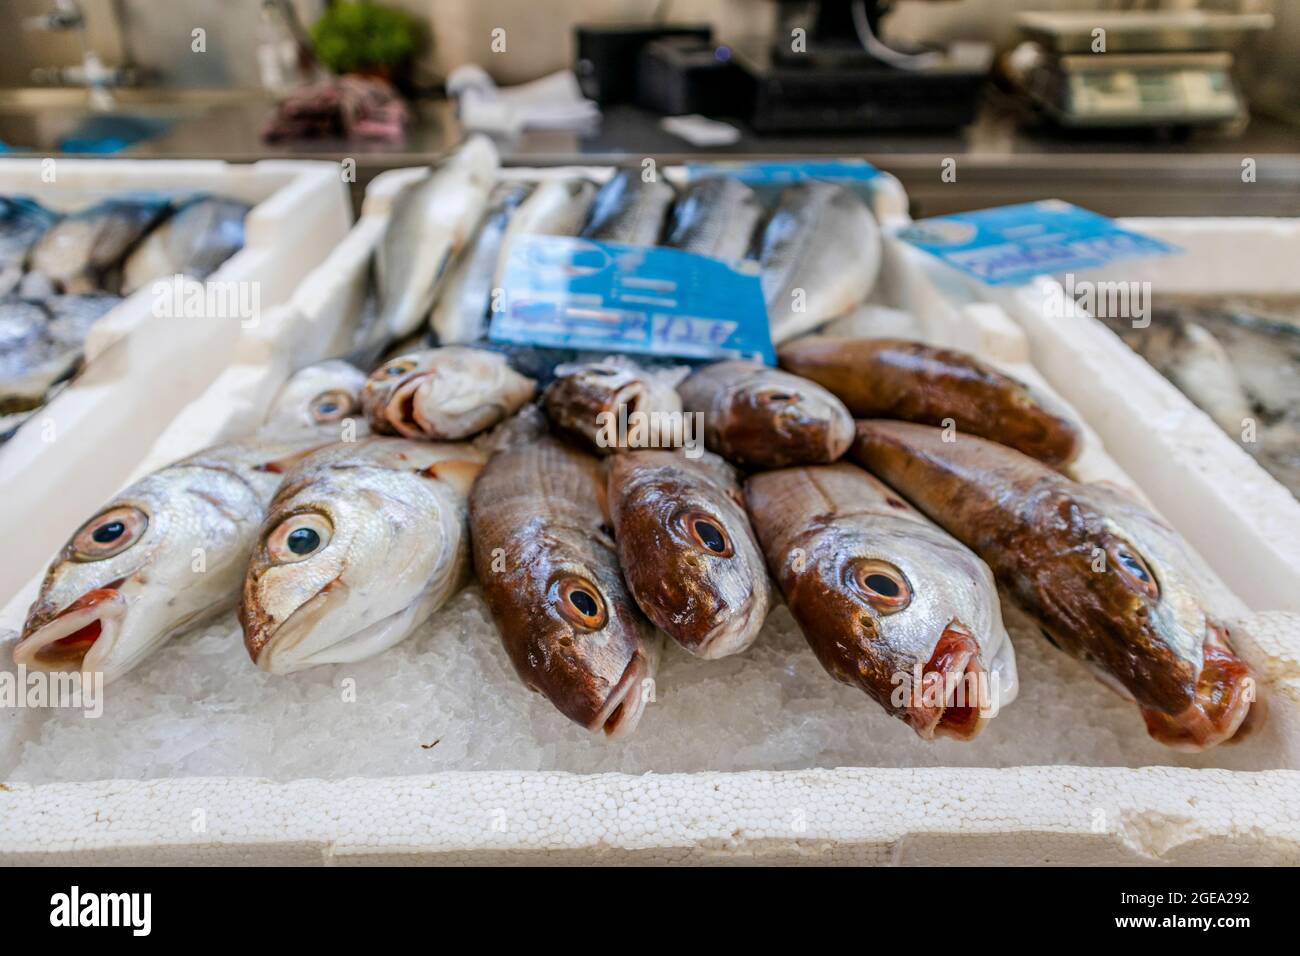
[(363, 36)]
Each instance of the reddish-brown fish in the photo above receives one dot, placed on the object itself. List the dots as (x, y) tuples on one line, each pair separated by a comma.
[(915, 382), (550, 574), (1110, 583)]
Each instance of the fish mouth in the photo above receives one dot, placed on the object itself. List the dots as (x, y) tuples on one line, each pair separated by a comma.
[(1225, 708), (951, 684), (403, 412), (625, 704), (79, 637)]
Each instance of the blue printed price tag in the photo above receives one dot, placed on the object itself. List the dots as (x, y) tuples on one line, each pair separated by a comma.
[(565, 292), (1011, 245), (781, 173)]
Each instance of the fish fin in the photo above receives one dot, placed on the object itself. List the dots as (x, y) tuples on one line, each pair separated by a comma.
[(278, 466), (457, 472)]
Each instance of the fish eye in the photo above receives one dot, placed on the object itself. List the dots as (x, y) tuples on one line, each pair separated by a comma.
[(298, 537), (777, 398), (602, 370), (706, 531), (398, 367), (883, 585), (579, 602), (1133, 568), (330, 406), (109, 533)]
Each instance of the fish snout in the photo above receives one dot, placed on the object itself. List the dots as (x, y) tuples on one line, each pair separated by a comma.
[(953, 696), (626, 702), (78, 638), (401, 411)]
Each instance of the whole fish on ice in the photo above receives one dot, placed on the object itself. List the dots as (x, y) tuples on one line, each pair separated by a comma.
[(715, 217), (688, 552), (194, 241), (22, 222), (759, 417), (550, 574), (317, 397), (888, 602), (362, 543), (41, 344), (629, 209), (899, 378), (78, 253), (1110, 583)]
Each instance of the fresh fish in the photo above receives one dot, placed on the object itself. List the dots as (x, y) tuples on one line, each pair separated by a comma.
[(897, 378), (591, 400), (166, 553), (1110, 582), (317, 396), (759, 417), (194, 241), (431, 220), (888, 602), (820, 253), (556, 207), (461, 313), (629, 210), (446, 393), (688, 553), (78, 252), (22, 223), (550, 575), (715, 217), (41, 343), (362, 543)]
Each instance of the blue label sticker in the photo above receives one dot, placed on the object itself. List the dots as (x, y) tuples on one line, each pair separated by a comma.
[(1012, 245), (782, 173), (565, 292)]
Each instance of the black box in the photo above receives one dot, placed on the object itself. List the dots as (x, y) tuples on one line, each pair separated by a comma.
[(680, 75), (607, 56)]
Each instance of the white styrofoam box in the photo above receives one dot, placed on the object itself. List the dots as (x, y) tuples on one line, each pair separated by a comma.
[(141, 368), (1245, 523), (1023, 815)]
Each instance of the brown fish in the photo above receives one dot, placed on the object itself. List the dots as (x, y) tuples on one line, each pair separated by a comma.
[(551, 578), (688, 552), (1110, 583), (897, 378), (759, 417), (586, 400), (887, 601)]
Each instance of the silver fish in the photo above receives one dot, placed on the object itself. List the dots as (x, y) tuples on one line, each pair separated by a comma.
[(688, 552), (461, 313), (556, 207), (820, 253), (22, 223), (77, 253), (888, 602), (363, 542), (317, 396), (432, 219), (446, 393), (194, 241), (630, 210), (715, 217), (164, 554), (40, 344)]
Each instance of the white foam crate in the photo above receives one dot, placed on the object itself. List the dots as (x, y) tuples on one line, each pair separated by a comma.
[(1021, 815), (142, 369)]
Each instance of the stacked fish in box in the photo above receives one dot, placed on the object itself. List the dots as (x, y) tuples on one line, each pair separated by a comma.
[(884, 487)]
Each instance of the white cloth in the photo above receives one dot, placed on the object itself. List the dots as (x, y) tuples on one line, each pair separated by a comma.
[(553, 102)]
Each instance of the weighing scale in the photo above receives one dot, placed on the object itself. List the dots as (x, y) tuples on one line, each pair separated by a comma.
[(1158, 68)]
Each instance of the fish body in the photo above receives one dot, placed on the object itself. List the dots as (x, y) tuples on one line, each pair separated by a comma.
[(629, 210), (41, 344), (461, 313), (316, 397), (1110, 583), (166, 553), (819, 253), (715, 217), (899, 378), (361, 544), (555, 207), (759, 417), (586, 400), (688, 552), (887, 601), (432, 218), (550, 574), (22, 223), (194, 241), (444, 393), (77, 253)]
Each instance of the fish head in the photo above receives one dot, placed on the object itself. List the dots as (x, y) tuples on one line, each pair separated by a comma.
[(772, 409), (583, 396), (166, 553), (1142, 578), (444, 393), (905, 612), (349, 560), (699, 573), (318, 396)]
